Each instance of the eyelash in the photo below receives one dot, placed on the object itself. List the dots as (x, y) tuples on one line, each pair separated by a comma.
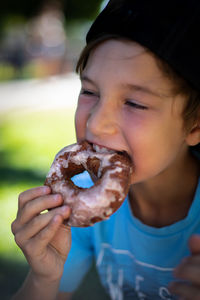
[(129, 103), (87, 93), (135, 105)]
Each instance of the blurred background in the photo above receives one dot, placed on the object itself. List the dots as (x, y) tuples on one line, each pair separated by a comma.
[(40, 41)]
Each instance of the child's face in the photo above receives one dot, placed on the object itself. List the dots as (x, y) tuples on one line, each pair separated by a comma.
[(126, 104)]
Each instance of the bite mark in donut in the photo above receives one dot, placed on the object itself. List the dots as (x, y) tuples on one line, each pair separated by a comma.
[(90, 205)]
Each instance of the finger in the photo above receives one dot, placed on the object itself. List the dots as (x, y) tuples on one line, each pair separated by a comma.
[(185, 291), (34, 208), (37, 245), (45, 236), (194, 244), (38, 223), (37, 206), (189, 270), (62, 240), (31, 194)]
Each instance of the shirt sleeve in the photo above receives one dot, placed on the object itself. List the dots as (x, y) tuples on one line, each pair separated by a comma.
[(79, 259)]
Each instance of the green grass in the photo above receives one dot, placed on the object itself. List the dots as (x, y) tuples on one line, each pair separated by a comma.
[(8, 72), (28, 144), (31, 140)]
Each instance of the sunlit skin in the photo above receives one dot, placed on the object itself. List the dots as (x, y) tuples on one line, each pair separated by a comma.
[(126, 104)]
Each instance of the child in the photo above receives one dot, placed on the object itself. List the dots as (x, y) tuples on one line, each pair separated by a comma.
[(140, 94)]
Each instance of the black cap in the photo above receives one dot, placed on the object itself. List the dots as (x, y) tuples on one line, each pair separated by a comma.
[(169, 28)]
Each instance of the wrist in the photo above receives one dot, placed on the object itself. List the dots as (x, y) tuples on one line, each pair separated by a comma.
[(42, 287), (40, 280), (37, 287)]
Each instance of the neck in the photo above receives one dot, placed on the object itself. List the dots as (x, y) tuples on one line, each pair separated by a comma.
[(167, 198)]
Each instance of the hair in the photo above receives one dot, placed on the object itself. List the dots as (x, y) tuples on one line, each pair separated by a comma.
[(179, 85)]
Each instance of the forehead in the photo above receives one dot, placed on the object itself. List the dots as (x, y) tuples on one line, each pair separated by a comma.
[(125, 62), (115, 52), (120, 48)]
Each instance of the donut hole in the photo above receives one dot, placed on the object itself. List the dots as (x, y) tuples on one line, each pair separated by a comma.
[(69, 173), (72, 170), (83, 180)]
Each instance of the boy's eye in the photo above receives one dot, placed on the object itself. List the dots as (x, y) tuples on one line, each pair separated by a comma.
[(87, 93), (136, 105)]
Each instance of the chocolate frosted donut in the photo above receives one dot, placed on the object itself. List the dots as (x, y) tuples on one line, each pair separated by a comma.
[(111, 170)]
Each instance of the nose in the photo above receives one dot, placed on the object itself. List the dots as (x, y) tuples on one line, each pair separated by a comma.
[(102, 120)]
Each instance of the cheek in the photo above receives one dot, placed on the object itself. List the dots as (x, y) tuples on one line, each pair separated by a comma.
[(154, 146), (80, 124), (81, 117)]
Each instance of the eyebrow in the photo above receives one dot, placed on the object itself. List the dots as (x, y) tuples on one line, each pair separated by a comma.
[(131, 87)]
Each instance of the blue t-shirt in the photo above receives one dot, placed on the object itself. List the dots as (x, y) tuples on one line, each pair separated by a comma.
[(134, 261)]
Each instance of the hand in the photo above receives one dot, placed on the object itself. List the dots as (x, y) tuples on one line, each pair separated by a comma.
[(189, 270), (42, 237)]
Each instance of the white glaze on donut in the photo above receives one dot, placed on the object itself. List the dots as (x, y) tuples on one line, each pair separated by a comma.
[(105, 196)]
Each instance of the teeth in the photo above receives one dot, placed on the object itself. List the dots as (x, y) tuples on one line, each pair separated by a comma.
[(100, 149)]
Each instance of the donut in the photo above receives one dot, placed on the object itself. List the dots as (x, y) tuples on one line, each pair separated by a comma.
[(111, 172)]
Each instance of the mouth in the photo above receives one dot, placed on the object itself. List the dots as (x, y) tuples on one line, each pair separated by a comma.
[(102, 149)]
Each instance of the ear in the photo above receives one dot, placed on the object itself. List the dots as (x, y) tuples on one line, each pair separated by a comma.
[(193, 136)]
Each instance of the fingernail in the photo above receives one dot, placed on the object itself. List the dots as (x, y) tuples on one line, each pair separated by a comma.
[(57, 197), (65, 208), (46, 189), (56, 218)]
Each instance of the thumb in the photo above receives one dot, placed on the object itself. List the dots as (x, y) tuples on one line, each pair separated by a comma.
[(62, 240), (194, 244)]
